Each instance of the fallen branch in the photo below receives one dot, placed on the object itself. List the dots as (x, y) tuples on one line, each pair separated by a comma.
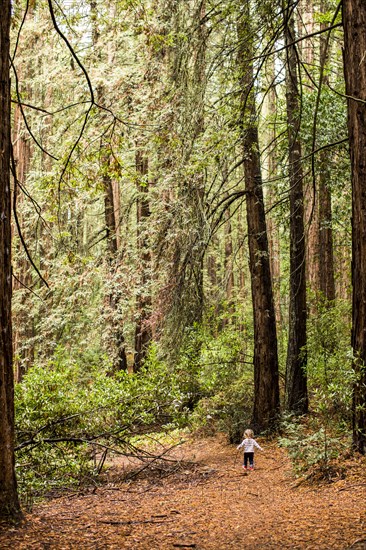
[(358, 541), (132, 522), (351, 486), (155, 459)]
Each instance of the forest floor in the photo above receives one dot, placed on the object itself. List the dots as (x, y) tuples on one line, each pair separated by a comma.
[(203, 501)]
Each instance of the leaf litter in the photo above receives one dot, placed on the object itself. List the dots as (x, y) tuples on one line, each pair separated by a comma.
[(202, 499)]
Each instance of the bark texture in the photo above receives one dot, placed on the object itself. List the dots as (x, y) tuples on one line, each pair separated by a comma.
[(354, 23), (265, 360), (296, 378), (326, 257), (143, 333), (9, 504), (326, 261), (272, 172), (119, 345), (23, 320), (111, 216)]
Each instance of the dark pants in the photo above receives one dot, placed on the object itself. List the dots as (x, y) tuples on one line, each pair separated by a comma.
[(249, 457)]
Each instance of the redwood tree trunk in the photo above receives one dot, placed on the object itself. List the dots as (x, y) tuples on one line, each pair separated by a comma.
[(228, 265), (326, 273), (118, 344), (109, 210), (9, 504), (265, 360), (296, 377), (354, 23), (272, 173), (23, 320), (120, 358), (326, 260), (143, 330)]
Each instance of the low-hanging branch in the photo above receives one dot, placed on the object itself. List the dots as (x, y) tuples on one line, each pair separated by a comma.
[(72, 51)]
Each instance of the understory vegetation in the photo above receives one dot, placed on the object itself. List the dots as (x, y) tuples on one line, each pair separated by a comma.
[(182, 233), (71, 414)]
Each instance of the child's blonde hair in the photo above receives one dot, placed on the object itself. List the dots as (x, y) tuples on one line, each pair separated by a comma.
[(249, 434)]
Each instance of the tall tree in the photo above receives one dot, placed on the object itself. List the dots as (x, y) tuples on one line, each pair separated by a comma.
[(354, 23), (228, 261), (305, 26), (23, 316), (326, 273), (184, 304), (296, 376), (23, 319), (143, 330), (196, 184), (265, 360), (270, 106), (9, 503), (111, 224)]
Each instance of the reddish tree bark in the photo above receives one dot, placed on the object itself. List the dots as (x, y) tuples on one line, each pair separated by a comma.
[(143, 333), (326, 260), (354, 23), (296, 377), (23, 321), (265, 359), (111, 224), (9, 504)]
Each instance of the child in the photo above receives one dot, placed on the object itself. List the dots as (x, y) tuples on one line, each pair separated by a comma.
[(249, 443)]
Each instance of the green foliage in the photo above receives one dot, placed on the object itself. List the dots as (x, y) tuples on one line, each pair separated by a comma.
[(228, 410), (220, 380), (313, 448), (65, 414), (316, 443), (330, 371), (175, 96)]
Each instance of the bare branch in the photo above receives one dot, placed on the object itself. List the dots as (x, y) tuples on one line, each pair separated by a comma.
[(72, 51)]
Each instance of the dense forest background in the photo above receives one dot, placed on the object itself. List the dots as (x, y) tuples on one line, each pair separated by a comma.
[(182, 228)]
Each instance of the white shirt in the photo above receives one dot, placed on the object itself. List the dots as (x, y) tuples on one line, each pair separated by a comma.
[(249, 445)]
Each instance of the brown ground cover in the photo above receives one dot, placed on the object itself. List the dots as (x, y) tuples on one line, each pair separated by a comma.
[(203, 501)]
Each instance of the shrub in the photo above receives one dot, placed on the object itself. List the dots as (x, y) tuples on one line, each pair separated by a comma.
[(312, 446), (62, 421)]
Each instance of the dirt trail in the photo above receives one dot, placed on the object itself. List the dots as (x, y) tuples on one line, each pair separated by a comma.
[(206, 504)]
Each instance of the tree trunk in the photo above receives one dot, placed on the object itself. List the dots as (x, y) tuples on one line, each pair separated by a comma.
[(272, 197), (189, 243), (326, 261), (242, 276), (117, 211), (229, 267), (305, 26), (119, 345), (296, 377), (23, 319), (354, 23), (143, 330), (197, 185), (265, 360), (117, 339), (326, 273), (9, 504), (109, 210)]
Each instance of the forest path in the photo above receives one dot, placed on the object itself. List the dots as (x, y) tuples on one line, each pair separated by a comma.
[(204, 502)]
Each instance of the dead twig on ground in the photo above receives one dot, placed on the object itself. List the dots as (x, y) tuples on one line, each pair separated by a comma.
[(132, 522), (352, 486)]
